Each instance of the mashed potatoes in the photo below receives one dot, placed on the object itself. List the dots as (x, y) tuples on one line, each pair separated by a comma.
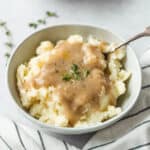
[(73, 83)]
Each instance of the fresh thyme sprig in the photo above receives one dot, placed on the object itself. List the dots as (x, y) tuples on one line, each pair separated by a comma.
[(75, 73), (42, 21), (51, 14), (9, 43)]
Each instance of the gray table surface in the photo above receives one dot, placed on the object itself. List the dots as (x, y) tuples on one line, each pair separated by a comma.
[(124, 17)]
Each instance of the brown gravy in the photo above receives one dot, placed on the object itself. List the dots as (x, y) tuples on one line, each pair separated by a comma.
[(75, 95)]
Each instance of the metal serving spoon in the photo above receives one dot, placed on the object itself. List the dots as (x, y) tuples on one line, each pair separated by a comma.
[(146, 32)]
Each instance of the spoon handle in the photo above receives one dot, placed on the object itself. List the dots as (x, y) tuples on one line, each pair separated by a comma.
[(137, 36)]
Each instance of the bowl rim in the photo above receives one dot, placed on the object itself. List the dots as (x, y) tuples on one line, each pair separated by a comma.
[(70, 130)]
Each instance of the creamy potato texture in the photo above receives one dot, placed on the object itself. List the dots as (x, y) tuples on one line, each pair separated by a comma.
[(73, 83)]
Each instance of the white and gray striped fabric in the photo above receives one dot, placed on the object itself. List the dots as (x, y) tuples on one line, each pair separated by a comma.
[(14, 136), (130, 133)]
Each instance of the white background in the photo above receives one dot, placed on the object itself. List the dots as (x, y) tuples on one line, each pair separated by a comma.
[(124, 17)]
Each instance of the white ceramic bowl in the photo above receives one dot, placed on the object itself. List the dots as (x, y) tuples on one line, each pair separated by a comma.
[(26, 50)]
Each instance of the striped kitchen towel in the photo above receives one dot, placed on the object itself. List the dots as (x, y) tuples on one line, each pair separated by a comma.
[(130, 133), (19, 137)]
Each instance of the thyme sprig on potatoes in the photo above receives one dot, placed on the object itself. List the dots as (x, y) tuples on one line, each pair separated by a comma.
[(75, 73)]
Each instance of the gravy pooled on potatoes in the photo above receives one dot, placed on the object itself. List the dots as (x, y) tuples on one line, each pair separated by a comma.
[(68, 83)]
